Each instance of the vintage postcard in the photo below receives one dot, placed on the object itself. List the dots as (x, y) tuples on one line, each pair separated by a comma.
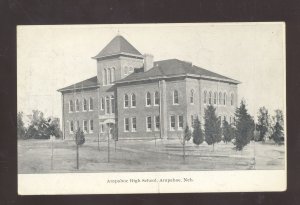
[(151, 108)]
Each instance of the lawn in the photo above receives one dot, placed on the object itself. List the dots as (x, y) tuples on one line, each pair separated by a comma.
[(34, 156)]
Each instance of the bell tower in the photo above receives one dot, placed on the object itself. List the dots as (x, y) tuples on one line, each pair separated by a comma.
[(117, 60)]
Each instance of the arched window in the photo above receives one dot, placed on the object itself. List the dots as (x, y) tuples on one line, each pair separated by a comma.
[(77, 105), (192, 97), (112, 77), (220, 98), (126, 70), (107, 105), (108, 76), (215, 97), (71, 106), (156, 98), (231, 99), (84, 104), (225, 99), (148, 99), (205, 97), (133, 100), (175, 97), (105, 77), (112, 103), (126, 101), (91, 104), (210, 98)]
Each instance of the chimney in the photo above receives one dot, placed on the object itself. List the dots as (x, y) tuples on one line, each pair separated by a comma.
[(148, 62)]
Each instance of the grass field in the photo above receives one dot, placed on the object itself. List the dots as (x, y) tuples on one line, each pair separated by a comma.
[(34, 156)]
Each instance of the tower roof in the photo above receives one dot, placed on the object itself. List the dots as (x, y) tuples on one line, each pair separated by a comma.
[(118, 45)]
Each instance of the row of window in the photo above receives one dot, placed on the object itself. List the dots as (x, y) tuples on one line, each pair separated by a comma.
[(75, 125), (148, 100), (85, 105), (153, 123), (108, 104), (214, 98), (108, 76)]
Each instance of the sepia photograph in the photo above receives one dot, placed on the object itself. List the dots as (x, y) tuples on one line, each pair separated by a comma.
[(151, 108)]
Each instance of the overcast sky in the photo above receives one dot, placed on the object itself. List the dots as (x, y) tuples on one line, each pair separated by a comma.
[(52, 57)]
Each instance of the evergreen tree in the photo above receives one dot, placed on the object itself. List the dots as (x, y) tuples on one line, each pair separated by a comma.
[(278, 134), (213, 132), (263, 125), (244, 127), (198, 137), (228, 132)]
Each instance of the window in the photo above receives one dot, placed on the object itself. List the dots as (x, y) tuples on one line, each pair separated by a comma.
[(102, 104), (77, 105), (77, 125), (84, 104), (71, 106), (107, 105), (112, 101), (175, 97), (172, 122), (105, 77), (148, 99), (109, 76), (225, 118), (91, 104), (112, 75), (91, 125), (126, 70), (149, 125), (156, 98), (85, 128), (192, 120), (215, 98), (230, 120), (220, 98), (157, 122), (180, 122), (102, 128), (192, 97), (231, 99), (126, 101), (225, 98), (126, 124), (133, 124), (71, 126), (210, 98), (205, 97), (133, 100)]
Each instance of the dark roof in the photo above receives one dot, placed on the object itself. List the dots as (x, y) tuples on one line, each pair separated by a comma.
[(88, 83), (171, 67), (118, 45)]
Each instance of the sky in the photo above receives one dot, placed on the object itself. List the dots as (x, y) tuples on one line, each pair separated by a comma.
[(53, 57)]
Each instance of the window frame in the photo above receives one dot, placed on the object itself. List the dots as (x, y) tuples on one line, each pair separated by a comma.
[(178, 122), (215, 98), (84, 105), (91, 126), (205, 97), (71, 106), (107, 105), (232, 99), (148, 105), (77, 105), (192, 97), (102, 107), (91, 102), (133, 95), (172, 128), (132, 124), (147, 123), (177, 97), (225, 98), (85, 125), (71, 126), (126, 99), (112, 104), (125, 125)]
